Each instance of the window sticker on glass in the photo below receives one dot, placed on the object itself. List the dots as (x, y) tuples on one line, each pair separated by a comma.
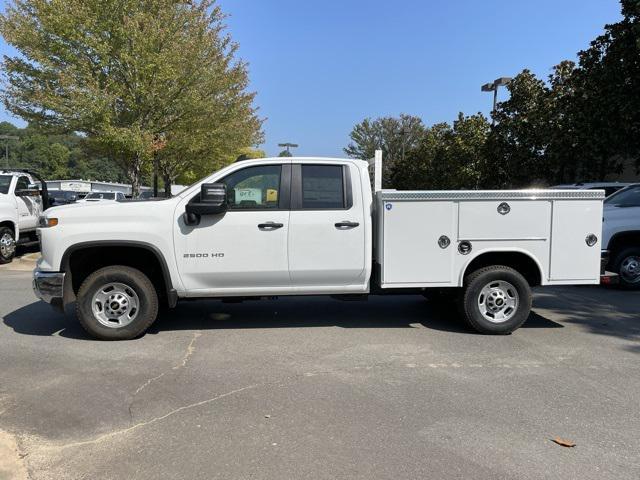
[(253, 195)]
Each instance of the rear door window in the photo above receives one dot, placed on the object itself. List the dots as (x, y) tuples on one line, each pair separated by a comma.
[(323, 187)]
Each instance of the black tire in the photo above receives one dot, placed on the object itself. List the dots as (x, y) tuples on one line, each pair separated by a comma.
[(484, 277), (621, 261), (144, 295), (7, 254)]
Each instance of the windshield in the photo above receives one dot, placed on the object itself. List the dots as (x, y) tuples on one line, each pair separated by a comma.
[(627, 197), (101, 196), (5, 183)]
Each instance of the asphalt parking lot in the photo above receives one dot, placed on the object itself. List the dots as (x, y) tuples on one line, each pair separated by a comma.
[(313, 388)]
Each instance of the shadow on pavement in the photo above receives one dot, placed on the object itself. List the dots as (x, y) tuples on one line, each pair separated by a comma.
[(388, 312), (604, 311)]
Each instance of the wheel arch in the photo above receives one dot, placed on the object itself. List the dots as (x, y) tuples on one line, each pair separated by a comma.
[(80, 259), (10, 224), (621, 240), (520, 260)]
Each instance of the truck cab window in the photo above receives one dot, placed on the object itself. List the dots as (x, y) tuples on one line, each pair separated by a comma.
[(5, 183), (254, 188), (322, 187), (22, 184)]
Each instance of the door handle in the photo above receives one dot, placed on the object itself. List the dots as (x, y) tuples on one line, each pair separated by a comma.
[(346, 224), (270, 226)]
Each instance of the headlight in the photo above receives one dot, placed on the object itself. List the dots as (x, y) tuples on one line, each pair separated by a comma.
[(46, 222)]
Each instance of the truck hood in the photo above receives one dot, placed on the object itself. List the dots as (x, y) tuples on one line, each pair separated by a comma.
[(103, 210)]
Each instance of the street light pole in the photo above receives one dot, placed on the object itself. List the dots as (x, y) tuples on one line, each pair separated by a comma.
[(6, 138), (287, 146), (493, 87)]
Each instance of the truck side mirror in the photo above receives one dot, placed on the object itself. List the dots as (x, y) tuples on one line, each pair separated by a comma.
[(212, 201)]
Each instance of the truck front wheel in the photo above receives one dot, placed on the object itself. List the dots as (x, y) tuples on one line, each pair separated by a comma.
[(496, 300), (7, 245), (117, 303)]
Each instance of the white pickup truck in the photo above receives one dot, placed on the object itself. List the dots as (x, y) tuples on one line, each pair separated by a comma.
[(315, 226), (621, 235), (21, 205)]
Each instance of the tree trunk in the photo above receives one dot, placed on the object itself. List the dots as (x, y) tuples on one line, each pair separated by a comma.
[(167, 185), (134, 175), (155, 174)]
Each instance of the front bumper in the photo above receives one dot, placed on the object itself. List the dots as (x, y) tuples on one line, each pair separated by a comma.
[(49, 286)]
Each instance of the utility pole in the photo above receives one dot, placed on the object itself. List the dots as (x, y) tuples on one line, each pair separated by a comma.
[(6, 138), (493, 87)]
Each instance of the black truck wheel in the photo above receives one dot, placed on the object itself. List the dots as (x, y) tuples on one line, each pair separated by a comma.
[(7, 245), (117, 303), (627, 265), (496, 300)]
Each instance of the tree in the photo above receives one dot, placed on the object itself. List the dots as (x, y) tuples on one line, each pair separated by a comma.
[(58, 156), (606, 106), (250, 153), (394, 136), (518, 140), (447, 156), (123, 72), (583, 124)]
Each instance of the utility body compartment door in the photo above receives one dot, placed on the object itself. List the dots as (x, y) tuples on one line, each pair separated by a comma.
[(411, 252), (572, 259)]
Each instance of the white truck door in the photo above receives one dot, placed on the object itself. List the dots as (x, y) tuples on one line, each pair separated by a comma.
[(29, 207), (327, 226), (245, 249)]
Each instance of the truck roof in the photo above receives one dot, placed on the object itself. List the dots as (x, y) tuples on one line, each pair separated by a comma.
[(302, 159)]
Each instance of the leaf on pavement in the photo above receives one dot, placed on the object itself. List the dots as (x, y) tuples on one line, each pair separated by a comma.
[(562, 442)]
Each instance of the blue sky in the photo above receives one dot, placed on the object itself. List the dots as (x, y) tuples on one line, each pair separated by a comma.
[(319, 67)]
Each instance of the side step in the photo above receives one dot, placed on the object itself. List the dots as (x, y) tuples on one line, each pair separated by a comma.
[(27, 242)]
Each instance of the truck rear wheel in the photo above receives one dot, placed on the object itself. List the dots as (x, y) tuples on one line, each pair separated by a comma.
[(627, 265), (117, 303), (7, 245), (496, 300)]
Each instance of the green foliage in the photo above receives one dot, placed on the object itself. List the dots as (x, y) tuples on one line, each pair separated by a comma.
[(285, 153), (56, 156), (580, 125), (250, 153), (446, 157), (394, 136), (126, 73)]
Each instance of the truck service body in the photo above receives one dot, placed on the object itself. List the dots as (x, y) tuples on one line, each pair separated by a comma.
[(315, 226)]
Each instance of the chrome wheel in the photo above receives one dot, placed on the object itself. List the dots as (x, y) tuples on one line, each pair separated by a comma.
[(630, 269), (115, 305), (498, 301), (7, 245)]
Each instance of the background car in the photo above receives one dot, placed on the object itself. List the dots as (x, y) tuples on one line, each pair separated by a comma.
[(103, 196), (146, 195), (609, 187), (62, 197), (621, 234)]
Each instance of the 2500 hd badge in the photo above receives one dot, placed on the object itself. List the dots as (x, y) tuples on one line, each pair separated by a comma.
[(203, 255)]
